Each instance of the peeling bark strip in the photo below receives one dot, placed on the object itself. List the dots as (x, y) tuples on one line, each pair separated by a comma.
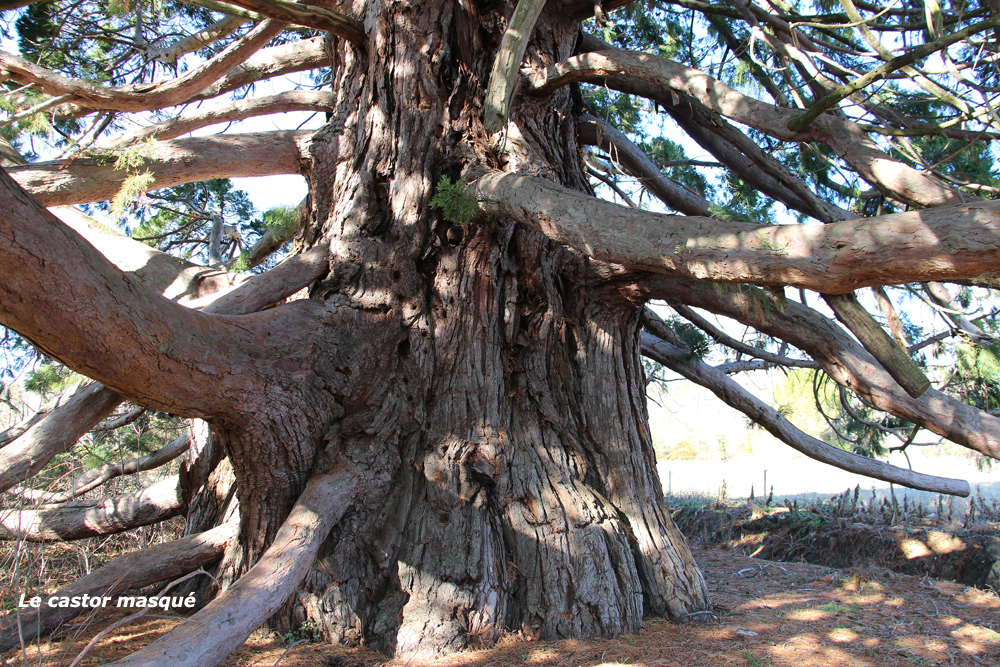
[(841, 357), (733, 394), (171, 163), (113, 515), (132, 571), (54, 433), (935, 244), (208, 637)]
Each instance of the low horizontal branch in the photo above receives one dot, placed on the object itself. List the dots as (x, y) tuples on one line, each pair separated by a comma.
[(933, 244), (117, 514), (170, 163), (161, 562), (763, 414)]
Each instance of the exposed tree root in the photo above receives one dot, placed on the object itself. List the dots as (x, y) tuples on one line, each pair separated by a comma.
[(209, 636)]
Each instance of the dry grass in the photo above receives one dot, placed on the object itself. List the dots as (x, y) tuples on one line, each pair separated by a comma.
[(777, 614)]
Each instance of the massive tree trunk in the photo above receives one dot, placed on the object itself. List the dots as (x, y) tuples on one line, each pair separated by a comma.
[(444, 436), (495, 405)]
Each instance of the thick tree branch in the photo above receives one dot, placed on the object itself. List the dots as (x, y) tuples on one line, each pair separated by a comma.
[(208, 637), (507, 63), (763, 414), (141, 97), (55, 432), (595, 132), (130, 338), (58, 427), (266, 289), (617, 68), (112, 515), (935, 244), (839, 354), (743, 156), (161, 562), (170, 163)]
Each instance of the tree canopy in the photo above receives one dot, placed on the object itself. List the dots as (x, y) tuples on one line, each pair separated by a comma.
[(766, 162)]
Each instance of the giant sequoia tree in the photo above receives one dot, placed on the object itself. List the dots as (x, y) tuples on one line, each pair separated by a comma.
[(427, 425)]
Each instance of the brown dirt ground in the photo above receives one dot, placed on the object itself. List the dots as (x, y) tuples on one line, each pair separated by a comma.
[(777, 614)]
